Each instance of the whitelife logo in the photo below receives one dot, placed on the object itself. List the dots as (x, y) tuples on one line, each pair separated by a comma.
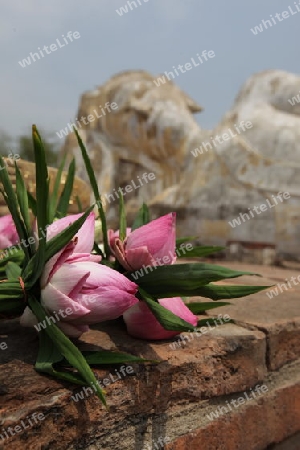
[(225, 136), (146, 177), (3, 346), (86, 119), (292, 101), (184, 68), (265, 24), (120, 373), (259, 209), (34, 419), (259, 390), (287, 285), (124, 9), (53, 47), (167, 259), (181, 341)]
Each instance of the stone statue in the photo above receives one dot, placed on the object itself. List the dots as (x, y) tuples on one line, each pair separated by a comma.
[(209, 177)]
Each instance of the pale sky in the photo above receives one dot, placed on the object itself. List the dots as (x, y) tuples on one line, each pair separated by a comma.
[(155, 36)]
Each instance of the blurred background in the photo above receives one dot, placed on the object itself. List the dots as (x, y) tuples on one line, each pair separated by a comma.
[(155, 36)]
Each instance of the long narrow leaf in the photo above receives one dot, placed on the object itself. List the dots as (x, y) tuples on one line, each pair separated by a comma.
[(32, 203), (214, 322), (215, 292), (42, 193), (79, 204), (67, 349), (184, 280), (64, 202), (30, 274), (197, 252), (142, 218), (95, 189), (166, 318), (122, 213), (13, 254), (12, 204), (199, 308), (12, 288), (53, 201), (185, 239), (22, 199), (48, 356)]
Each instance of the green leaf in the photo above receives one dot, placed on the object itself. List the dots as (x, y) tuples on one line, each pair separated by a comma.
[(11, 288), (11, 297), (197, 252), (13, 254), (12, 204), (32, 203), (53, 246), (67, 349), (184, 279), (42, 194), (199, 308), (95, 189), (22, 199), (79, 204), (166, 318), (226, 292), (210, 321), (64, 202), (185, 239), (64, 237), (142, 218), (13, 271), (49, 355), (53, 201), (123, 225)]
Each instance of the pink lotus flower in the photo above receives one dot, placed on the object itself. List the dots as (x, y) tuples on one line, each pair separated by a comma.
[(75, 290), (141, 323), (150, 245), (8, 232), (112, 235)]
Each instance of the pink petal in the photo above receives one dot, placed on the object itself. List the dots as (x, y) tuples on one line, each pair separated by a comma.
[(105, 304), (158, 236), (112, 235), (85, 234), (118, 249), (8, 232), (55, 301), (138, 257), (69, 279), (55, 262), (177, 306), (141, 323), (102, 276), (4, 242), (77, 257)]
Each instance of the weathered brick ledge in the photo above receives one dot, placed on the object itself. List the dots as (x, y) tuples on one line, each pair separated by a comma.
[(171, 402)]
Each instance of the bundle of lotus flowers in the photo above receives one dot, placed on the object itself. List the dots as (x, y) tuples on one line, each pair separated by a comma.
[(58, 278)]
